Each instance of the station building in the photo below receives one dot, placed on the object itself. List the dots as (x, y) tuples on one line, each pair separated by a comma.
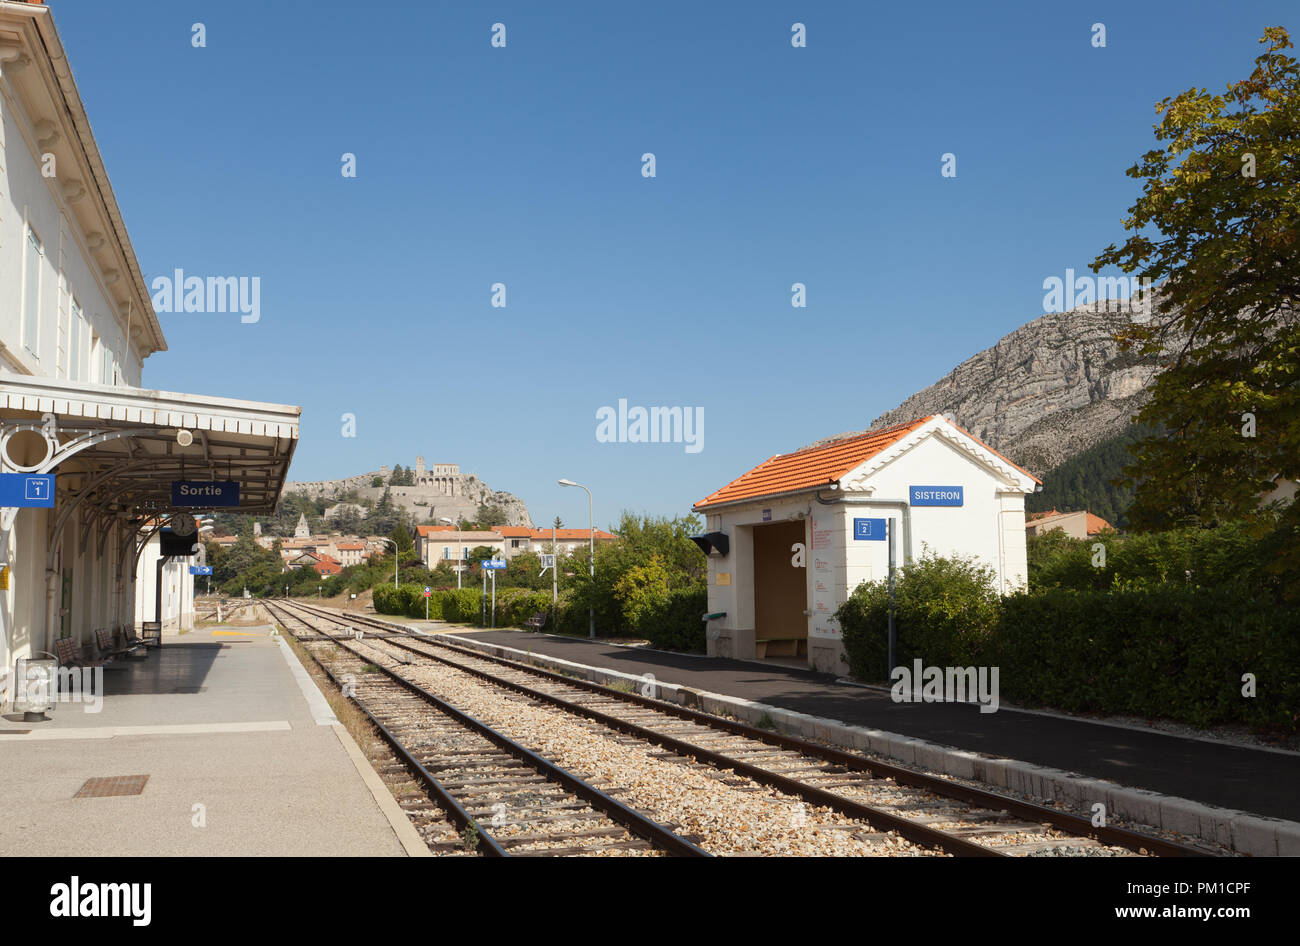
[(76, 323), (788, 541)]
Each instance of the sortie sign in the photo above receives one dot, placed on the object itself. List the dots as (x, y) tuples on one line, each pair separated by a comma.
[(204, 493)]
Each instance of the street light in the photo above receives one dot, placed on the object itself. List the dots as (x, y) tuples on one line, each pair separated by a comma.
[(459, 560), (591, 546), (396, 557)]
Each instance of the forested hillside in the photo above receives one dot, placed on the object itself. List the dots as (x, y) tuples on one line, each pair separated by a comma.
[(1084, 481)]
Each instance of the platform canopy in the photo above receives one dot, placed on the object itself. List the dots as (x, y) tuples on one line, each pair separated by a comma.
[(118, 450)]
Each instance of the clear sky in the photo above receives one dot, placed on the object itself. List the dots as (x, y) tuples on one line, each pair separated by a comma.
[(522, 165)]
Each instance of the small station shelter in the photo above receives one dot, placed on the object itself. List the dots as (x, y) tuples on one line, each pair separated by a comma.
[(788, 541)]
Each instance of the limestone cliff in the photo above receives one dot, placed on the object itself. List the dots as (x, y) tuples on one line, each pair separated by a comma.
[(1044, 393)]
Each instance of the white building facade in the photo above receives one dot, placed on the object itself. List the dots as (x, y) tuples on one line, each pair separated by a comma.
[(76, 324), (789, 541)]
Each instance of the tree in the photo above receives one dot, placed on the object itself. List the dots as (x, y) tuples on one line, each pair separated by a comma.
[(402, 539), (1218, 228)]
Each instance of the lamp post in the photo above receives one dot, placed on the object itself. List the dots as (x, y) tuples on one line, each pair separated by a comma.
[(396, 558), (591, 550), (460, 561)]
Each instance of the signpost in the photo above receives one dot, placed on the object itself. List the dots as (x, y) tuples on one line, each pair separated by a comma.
[(27, 490), (493, 565), (428, 592), (201, 494)]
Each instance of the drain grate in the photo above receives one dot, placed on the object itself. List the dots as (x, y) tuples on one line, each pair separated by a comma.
[(105, 786)]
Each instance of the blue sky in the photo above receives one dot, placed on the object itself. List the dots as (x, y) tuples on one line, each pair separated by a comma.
[(478, 165)]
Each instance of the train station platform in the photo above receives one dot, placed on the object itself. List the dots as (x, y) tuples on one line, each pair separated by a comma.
[(241, 752), (1258, 781)]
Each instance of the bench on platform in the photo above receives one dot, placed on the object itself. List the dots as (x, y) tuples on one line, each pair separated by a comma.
[(151, 633), (109, 646), (134, 640), (536, 621), (69, 654), (780, 647)]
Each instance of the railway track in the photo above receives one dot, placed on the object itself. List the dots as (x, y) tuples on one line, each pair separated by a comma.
[(501, 798), (924, 809)]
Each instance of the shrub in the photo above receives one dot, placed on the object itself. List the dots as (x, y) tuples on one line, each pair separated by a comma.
[(461, 605), (945, 611), (675, 621), (1173, 651)]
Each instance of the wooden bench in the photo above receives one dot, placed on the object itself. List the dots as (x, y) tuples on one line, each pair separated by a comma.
[(69, 654), (779, 647), (536, 621)]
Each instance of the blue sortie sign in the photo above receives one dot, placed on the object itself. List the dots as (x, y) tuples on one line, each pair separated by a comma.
[(200, 569), (27, 490), (935, 495), (869, 530), (494, 563), (204, 493)]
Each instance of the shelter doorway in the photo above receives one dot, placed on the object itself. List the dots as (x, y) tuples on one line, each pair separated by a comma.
[(780, 591)]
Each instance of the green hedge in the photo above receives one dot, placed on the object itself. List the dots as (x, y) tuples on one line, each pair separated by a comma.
[(676, 622), (1175, 650)]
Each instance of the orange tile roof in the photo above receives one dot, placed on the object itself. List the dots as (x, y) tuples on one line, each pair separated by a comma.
[(425, 530), (351, 547), (821, 466), (568, 535), (807, 469), (513, 532)]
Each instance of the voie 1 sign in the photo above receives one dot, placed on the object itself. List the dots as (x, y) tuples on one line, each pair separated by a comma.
[(935, 495), (204, 493), (27, 490)]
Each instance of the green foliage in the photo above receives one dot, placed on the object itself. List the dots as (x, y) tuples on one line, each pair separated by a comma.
[(1228, 555), (945, 611), (675, 621), (1091, 480), (1138, 636), (1158, 651), (1224, 245)]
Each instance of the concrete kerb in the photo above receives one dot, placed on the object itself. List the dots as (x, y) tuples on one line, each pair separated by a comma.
[(1239, 831)]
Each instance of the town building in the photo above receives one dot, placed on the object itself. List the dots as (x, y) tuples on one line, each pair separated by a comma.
[(1077, 525), (789, 540)]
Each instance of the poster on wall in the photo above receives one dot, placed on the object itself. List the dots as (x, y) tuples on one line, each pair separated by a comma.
[(824, 598)]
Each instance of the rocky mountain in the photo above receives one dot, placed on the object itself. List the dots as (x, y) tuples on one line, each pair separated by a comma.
[(1044, 393)]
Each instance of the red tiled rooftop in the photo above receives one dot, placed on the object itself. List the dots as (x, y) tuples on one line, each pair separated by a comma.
[(806, 469)]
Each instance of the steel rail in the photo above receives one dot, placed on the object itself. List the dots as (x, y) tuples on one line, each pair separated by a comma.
[(633, 820), (1065, 821), (455, 811), (876, 817)]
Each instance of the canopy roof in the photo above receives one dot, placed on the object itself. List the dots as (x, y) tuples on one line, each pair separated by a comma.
[(116, 449)]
